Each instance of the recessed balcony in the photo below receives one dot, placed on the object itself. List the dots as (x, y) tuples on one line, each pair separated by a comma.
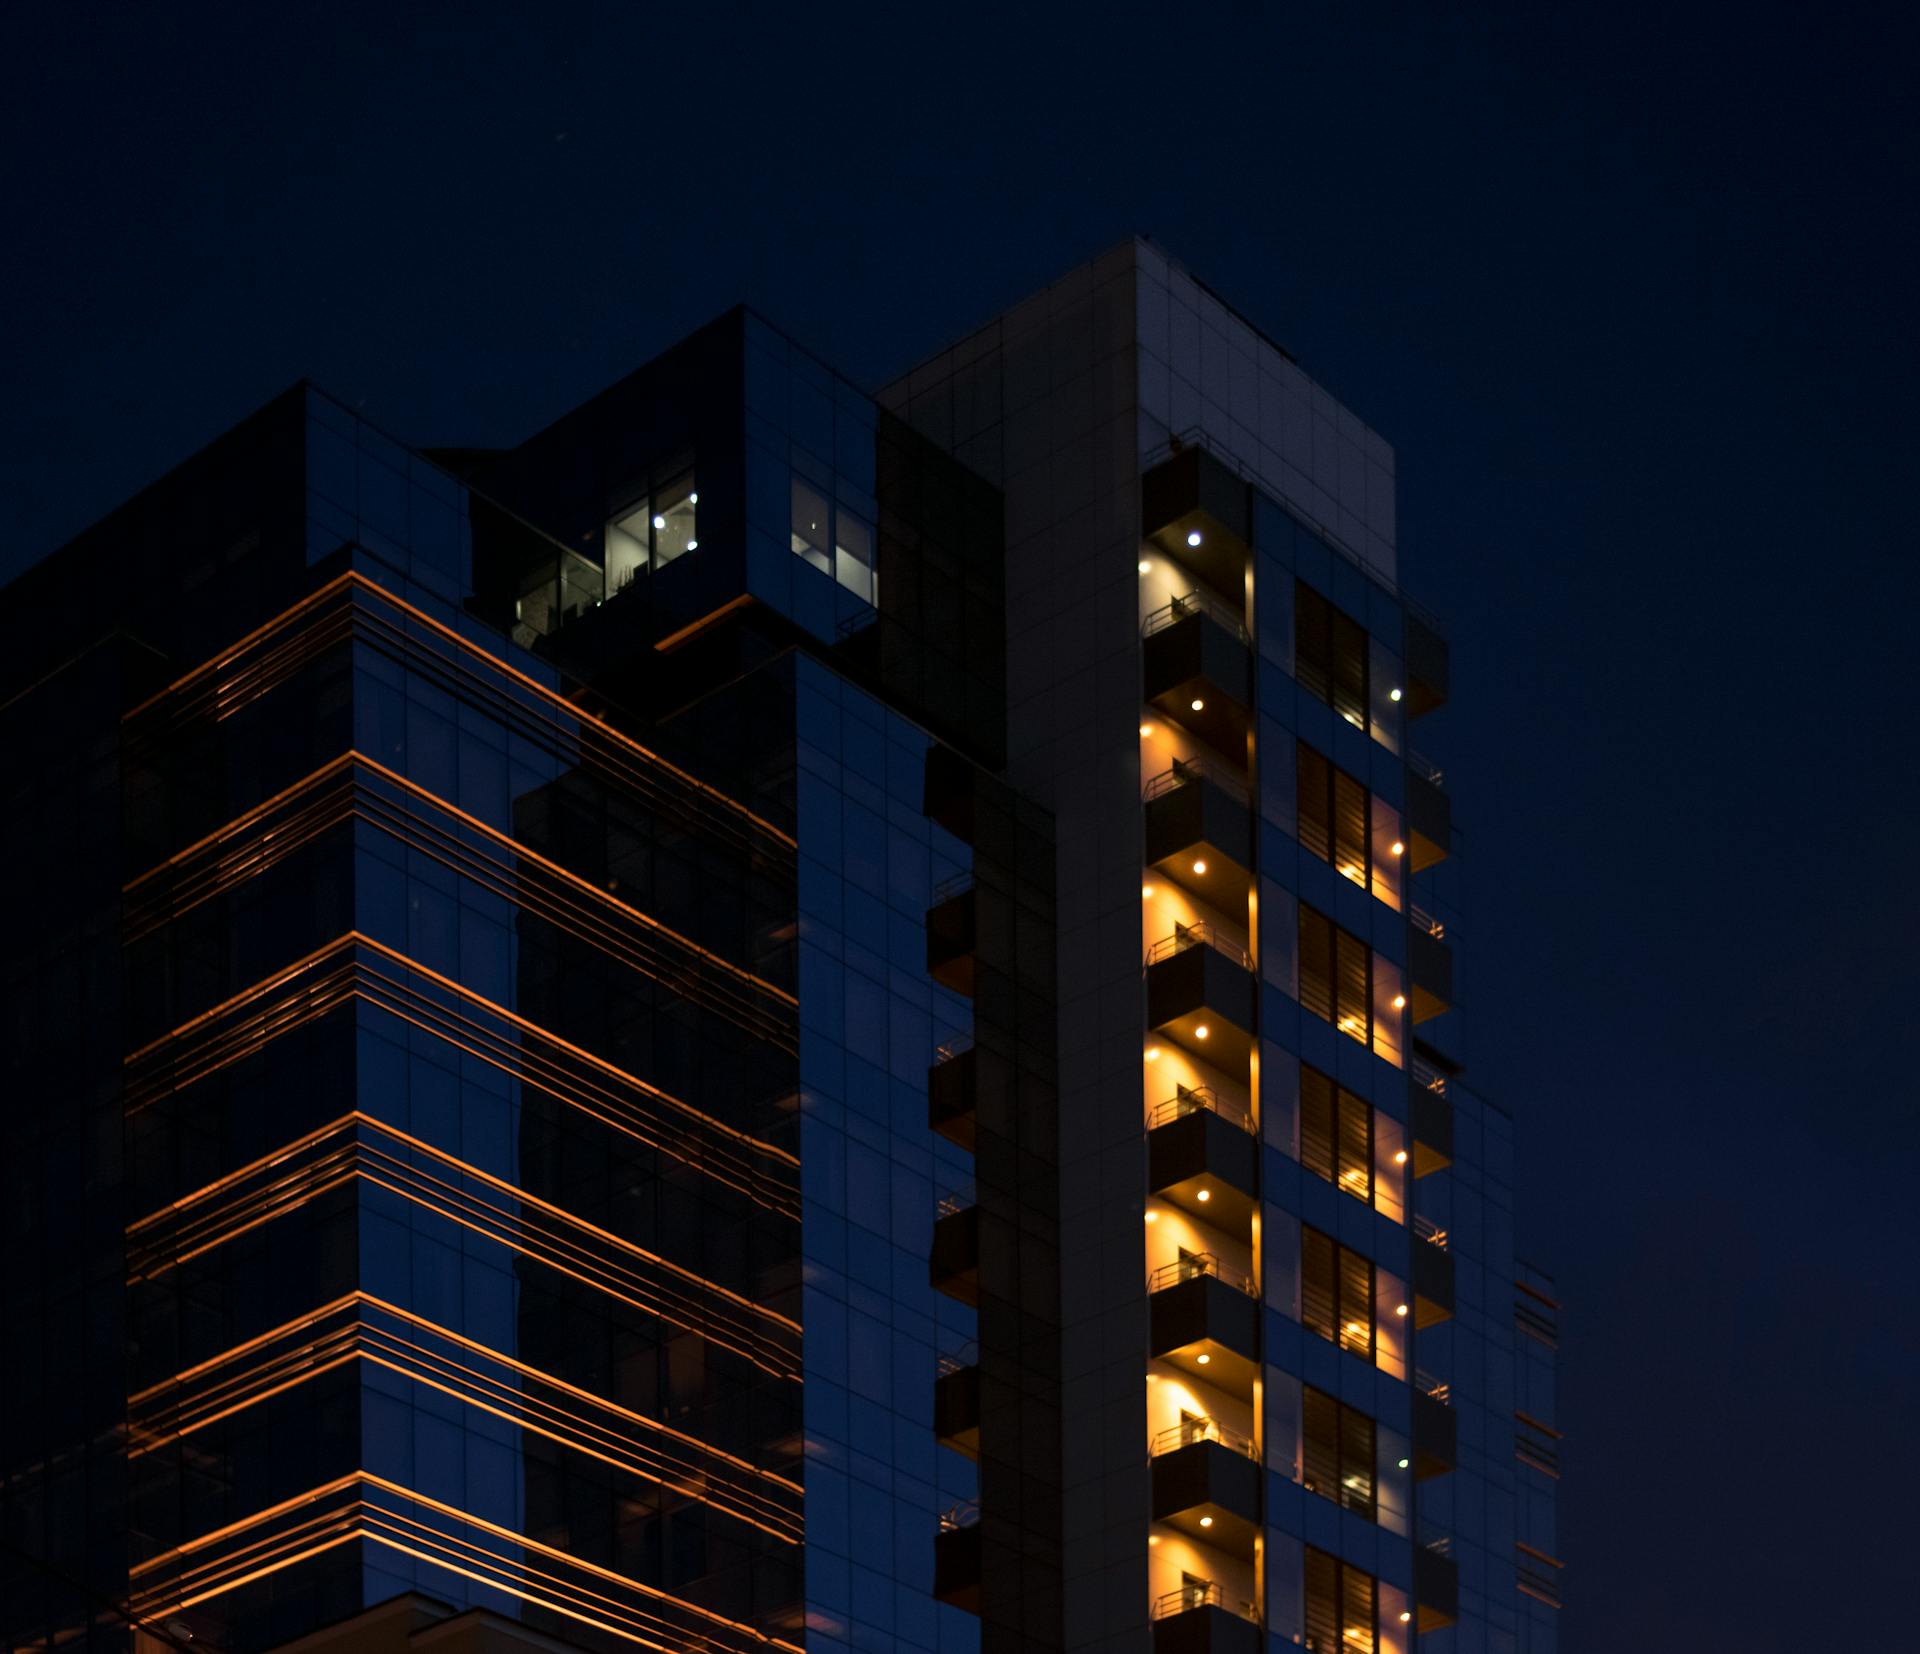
[(1202, 1157), (1429, 964), (956, 1404), (1195, 510), (956, 1558), (1200, 993), (1436, 1435), (1430, 1114), (1199, 1619), (1432, 1273), (951, 929), (952, 1093), (1206, 1483), (954, 1266), (1199, 831), (1429, 815), (1205, 1320), (1436, 1581), (1199, 671), (1427, 665)]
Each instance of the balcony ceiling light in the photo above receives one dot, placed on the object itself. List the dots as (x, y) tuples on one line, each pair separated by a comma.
[(1146, 729), (1200, 1032), (1399, 1309), (1204, 1194), (1152, 1217), (693, 499), (1146, 890), (1145, 566), (1404, 1614), (1398, 848), (1199, 705), (659, 522), (1400, 1157), (1202, 1359), (1393, 694), (1152, 1538), (1399, 1002), (1206, 1521), (1153, 1053), (1403, 1466), (1199, 866), (1193, 536), (693, 545)]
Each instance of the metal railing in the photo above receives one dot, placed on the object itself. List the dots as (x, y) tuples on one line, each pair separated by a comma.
[(1425, 768), (1206, 1593), (1196, 602), (1197, 1099), (966, 1514), (1430, 1077), (953, 1361), (1438, 1389), (1195, 437), (1185, 771), (1187, 1433), (957, 884), (1431, 923), (1192, 1267), (1200, 934), (954, 1200), (1429, 1231), (952, 1046), (1431, 1538)]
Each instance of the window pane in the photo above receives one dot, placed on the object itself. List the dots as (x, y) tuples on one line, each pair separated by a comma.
[(629, 546), (853, 555), (1316, 963), (1350, 827), (1316, 1282), (1356, 1303), (810, 533), (1356, 1146), (1349, 695), (1323, 1603), (1316, 1123), (1356, 1611), (1353, 1006), (1312, 643), (675, 530), (1356, 1461), (1320, 1461), (1316, 806)]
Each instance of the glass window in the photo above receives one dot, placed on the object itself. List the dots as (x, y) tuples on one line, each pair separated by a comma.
[(1337, 1456), (1336, 975), (811, 534), (1330, 655), (675, 522), (1336, 1292), (853, 556), (1336, 1134), (1342, 1607)]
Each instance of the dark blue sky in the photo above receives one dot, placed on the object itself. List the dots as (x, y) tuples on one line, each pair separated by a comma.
[(1630, 291)]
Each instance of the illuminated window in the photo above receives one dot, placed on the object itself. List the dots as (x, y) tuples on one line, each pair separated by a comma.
[(1336, 1292), (1341, 1607), (1330, 655), (812, 526), (1346, 826), (652, 532), (1336, 1134), (1336, 975), (1337, 1452)]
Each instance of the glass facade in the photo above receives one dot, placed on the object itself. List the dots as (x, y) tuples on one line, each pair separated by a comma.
[(590, 1049)]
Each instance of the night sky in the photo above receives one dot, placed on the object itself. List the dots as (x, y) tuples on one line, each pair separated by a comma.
[(1632, 294)]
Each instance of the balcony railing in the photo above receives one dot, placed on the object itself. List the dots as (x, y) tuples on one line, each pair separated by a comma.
[(1431, 1538), (1430, 1077), (1186, 771), (1428, 1385), (954, 1200), (952, 1046), (1185, 1434), (1195, 603), (1194, 1265), (1205, 1593), (966, 1514), (1431, 923), (1429, 1231), (953, 1361), (1197, 1099), (957, 884), (1199, 935), (1425, 768)]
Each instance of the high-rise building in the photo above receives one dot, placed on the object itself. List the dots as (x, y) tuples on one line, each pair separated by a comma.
[(779, 1018)]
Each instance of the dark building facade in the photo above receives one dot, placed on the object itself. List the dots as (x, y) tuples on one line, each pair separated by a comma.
[(582, 1054)]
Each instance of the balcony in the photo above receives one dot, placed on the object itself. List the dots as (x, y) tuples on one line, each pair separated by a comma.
[(1196, 1619), (956, 1403), (1203, 1159), (1429, 964), (1206, 1483), (1436, 1435), (1429, 816), (1195, 509), (1199, 831), (1427, 665), (1436, 1581), (952, 1092), (954, 1266), (1199, 671), (1205, 1320), (1200, 993), (951, 926), (1432, 1273), (956, 1558)]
